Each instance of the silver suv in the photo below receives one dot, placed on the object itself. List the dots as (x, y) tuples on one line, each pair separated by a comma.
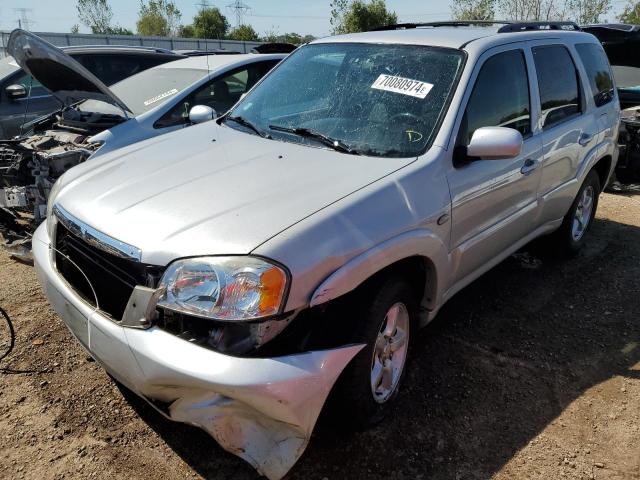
[(235, 274)]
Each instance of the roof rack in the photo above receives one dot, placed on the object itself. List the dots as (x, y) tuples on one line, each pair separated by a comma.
[(507, 26)]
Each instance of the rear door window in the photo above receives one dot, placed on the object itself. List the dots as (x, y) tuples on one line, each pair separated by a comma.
[(500, 97), (597, 66), (557, 83)]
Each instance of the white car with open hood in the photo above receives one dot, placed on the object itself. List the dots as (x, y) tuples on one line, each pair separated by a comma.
[(96, 119)]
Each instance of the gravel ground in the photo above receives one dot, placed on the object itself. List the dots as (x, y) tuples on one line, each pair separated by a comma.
[(532, 372)]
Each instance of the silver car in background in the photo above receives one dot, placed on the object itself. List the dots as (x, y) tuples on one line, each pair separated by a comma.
[(236, 273)]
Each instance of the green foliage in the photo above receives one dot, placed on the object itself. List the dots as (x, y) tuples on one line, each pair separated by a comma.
[(95, 14), (588, 11), (473, 9), (631, 13), (210, 23), (360, 16), (295, 38), (244, 32), (158, 18), (186, 31)]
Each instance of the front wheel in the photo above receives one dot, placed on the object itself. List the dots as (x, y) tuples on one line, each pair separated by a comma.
[(570, 236), (387, 319)]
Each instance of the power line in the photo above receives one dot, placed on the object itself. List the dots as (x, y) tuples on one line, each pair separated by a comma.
[(240, 9), (204, 5)]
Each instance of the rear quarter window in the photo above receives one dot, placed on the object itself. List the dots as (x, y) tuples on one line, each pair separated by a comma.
[(557, 83), (597, 66)]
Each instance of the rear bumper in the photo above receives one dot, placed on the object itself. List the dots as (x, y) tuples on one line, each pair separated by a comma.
[(262, 410)]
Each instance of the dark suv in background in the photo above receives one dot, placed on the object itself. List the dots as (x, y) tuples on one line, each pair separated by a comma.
[(23, 99)]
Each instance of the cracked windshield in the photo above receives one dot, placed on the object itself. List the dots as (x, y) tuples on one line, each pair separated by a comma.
[(377, 100)]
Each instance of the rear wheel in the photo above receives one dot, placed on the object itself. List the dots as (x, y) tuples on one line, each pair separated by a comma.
[(570, 236), (387, 319)]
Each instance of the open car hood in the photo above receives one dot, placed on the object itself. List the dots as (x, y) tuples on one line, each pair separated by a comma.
[(67, 80), (620, 42)]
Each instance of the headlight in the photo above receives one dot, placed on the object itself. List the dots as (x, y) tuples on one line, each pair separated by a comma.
[(224, 288)]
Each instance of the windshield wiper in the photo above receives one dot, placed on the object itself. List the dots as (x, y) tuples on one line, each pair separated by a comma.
[(337, 145), (246, 123)]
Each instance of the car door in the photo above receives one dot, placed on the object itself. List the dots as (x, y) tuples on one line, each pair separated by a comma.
[(569, 128), (16, 112), (600, 80), (494, 201), (219, 93)]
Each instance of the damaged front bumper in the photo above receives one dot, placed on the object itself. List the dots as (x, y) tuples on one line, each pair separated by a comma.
[(263, 410)]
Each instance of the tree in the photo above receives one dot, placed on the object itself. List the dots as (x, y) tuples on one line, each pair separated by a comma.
[(118, 30), (580, 11), (95, 14), (473, 9), (359, 16), (186, 31), (294, 38), (159, 18), (244, 32), (631, 13), (588, 11), (210, 23), (531, 10), (75, 28)]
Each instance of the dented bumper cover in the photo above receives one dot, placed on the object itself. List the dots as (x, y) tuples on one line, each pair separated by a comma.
[(262, 410)]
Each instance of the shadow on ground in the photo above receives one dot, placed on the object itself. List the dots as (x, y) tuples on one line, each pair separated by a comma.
[(503, 359)]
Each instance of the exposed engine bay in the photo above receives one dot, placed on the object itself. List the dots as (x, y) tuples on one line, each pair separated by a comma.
[(28, 169)]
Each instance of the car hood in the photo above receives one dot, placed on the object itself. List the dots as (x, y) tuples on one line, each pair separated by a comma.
[(67, 80), (210, 189), (620, 42)]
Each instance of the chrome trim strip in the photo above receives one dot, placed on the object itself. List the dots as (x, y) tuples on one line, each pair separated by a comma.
[(96, 238)]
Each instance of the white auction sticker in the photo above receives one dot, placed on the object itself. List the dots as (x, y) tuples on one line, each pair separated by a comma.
[(157, 98), (405, 86)]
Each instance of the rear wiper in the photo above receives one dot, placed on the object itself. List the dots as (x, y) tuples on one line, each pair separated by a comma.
[(321, 137), (246, 123)]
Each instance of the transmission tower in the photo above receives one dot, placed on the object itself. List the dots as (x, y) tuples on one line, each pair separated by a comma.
[(239, 9), (23, 22), (203, 4)]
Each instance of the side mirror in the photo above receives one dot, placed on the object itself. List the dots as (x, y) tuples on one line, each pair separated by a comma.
[(495, 143), (201, 113), (16, 91)]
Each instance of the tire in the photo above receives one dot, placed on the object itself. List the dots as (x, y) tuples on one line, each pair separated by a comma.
[(353, 400), (570, 237)]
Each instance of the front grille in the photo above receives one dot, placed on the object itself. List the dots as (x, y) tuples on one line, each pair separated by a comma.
[(113, 278)]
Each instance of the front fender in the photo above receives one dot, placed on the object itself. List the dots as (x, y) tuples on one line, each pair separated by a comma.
[(420, 242)]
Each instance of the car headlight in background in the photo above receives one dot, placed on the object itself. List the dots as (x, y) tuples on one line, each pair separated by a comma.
[(224, 288)]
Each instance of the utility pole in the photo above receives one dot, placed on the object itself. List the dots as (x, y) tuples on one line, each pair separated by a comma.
[(23, 20), (240, 9)]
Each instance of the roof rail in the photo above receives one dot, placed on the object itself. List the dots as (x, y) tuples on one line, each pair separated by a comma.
[(507, 26), (526, 26)]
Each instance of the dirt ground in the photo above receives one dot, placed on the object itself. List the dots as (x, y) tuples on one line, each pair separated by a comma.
[(532, 372)]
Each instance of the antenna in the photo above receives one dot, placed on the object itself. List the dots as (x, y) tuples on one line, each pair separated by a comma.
[(240, 9), (23, 22)]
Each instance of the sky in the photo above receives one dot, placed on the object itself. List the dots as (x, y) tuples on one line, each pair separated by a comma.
[(280, 16)]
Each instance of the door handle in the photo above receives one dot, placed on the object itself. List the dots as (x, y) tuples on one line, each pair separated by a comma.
[(584, 138), (529, 166)]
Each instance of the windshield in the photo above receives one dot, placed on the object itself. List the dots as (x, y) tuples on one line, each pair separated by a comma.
[(371, 99), (147, 89), (8, 66)]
